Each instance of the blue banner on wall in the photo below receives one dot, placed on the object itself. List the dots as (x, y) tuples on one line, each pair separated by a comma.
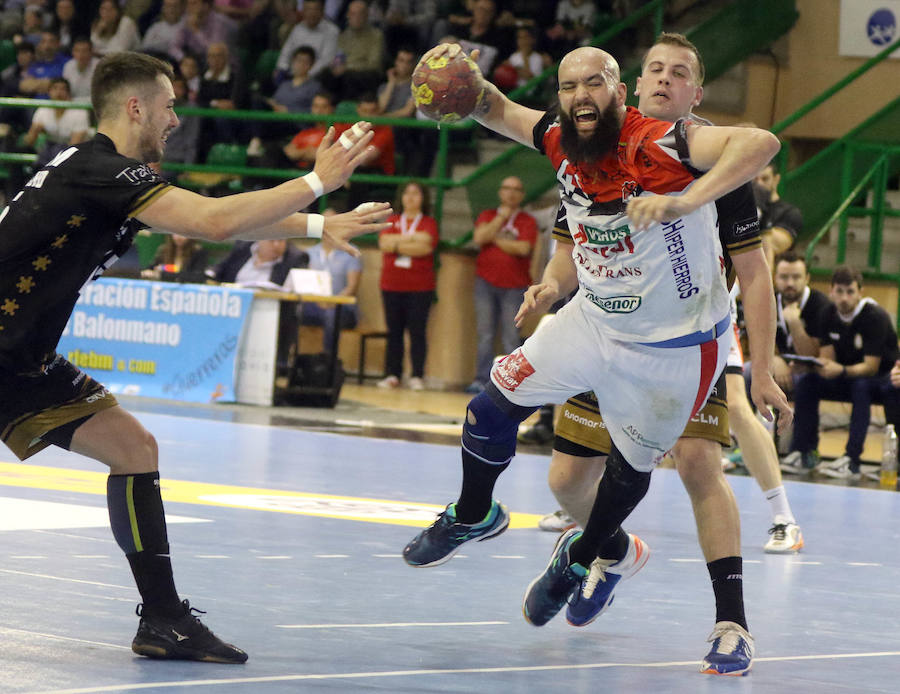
[(158, 339)]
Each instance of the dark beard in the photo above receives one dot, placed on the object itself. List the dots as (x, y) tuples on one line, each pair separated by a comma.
[(598, 144)]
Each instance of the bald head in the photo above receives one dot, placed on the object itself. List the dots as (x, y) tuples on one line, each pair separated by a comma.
[(590, 58)]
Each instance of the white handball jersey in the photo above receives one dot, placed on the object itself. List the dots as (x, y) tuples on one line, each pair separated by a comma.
[(661, 283)]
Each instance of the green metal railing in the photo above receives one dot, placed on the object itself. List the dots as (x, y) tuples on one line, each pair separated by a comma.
[(441, 182), (864, 159)]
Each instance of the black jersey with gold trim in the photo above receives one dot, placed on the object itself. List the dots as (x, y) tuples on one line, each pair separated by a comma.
[(69, 223)]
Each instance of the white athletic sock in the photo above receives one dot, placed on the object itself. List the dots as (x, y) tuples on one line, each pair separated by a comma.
[(778, 502)]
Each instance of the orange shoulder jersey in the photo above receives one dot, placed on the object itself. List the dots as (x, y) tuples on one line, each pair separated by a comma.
[(648, 286)]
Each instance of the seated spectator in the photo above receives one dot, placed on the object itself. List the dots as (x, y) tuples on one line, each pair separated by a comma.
[(482, 32), (62, 126), (315, 31), (345, 270), (259, 263), (859, 349), (526, 13), (292, 96), (80, 70), (223, 88), (183, 142), (15, 120), (379, 157), (68, 25), (112, 31), (408, 283), (800, 316), (779, 221), (32, 24), (409, 23), (162, 33), (506, 237), (189, 67), (360, 59), (527, 62), (179, 259), (48, 64), (574, 25), (302, 148), (200, 27), (395, 99)]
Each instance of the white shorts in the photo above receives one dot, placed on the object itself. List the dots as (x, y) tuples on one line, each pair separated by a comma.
[(646, 394)]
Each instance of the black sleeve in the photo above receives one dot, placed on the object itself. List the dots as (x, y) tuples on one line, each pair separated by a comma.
[(815, 314), (120, 187), (791, 219), (829, 316), (540, 129), (738, 223), (875, 330)]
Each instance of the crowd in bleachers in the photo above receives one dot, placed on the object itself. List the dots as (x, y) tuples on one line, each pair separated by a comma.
[(278, 55)]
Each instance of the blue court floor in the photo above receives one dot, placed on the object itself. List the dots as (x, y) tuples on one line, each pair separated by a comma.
[(291, 540)]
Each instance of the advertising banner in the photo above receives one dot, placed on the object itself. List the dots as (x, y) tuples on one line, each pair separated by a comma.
[(158, 339)]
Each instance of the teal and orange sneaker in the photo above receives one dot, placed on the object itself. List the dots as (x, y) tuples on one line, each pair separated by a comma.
[(596, 594), (551, 590), (731, 653), (441, 540)]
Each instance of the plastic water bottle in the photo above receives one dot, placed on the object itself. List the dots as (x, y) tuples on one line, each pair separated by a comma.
[(888, 477)]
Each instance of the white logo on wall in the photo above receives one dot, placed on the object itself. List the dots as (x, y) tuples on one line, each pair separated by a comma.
[(867, 26), (881, 27)]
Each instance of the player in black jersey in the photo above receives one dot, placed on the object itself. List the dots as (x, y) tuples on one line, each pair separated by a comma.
[(70, 222)]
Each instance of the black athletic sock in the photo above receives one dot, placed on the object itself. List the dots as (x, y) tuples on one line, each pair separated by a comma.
[(139, 526), (728, 585), (621, 488), (477, 492)]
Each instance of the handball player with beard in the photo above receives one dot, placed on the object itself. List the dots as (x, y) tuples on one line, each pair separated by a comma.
[(648, 330)]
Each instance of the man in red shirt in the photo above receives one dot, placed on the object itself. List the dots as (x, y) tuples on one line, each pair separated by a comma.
[(302, 148), (506, 237)]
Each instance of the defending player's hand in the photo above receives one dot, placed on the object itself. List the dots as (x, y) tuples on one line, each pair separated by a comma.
[(766, 395), (538, 298), (645, 210), (367, 218), (337, 158)]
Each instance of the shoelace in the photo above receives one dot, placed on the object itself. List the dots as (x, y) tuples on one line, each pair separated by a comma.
[(728, 639), (778, 531), (597, 573)]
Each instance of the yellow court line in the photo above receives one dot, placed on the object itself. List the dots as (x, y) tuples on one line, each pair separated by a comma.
[(233, 496)]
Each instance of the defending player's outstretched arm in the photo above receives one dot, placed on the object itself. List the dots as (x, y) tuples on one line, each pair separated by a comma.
[(271, 213)]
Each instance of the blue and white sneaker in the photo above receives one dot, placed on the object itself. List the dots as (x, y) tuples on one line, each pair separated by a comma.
[(731, 653), (596, 594), (551, 590), (441, 540)]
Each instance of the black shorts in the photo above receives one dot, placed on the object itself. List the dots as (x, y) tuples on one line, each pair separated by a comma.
[(35, 403)]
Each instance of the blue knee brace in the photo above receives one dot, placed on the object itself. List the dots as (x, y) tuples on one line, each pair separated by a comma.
[(489, 432)]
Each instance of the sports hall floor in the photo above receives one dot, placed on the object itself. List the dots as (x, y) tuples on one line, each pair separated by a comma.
[(287, 527)]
